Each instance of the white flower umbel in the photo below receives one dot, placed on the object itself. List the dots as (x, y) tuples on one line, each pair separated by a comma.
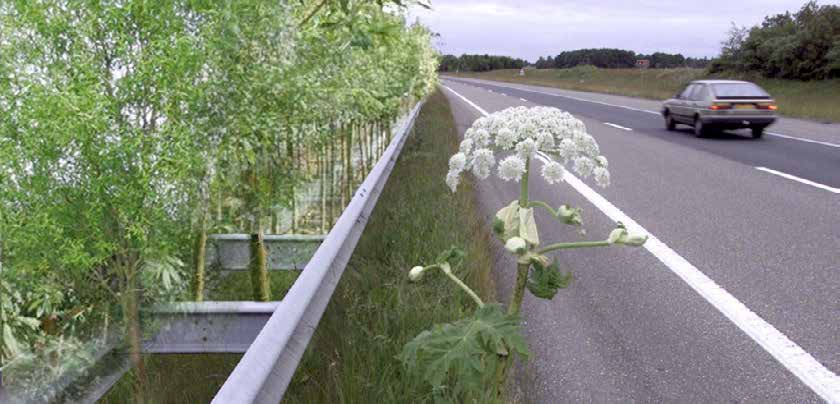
[(466, 146), (482, 162), (528, 131), (526, 148), (602, 176), (453, 179), (512, 168), (458, 162), (553, 172)]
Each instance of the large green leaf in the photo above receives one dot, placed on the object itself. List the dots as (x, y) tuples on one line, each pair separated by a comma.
[(467, 351)]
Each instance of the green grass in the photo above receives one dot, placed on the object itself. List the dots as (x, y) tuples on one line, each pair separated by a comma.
[(817, 100), (177, 378), (375, 310)]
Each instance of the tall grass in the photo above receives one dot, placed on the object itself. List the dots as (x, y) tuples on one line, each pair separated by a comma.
[(375, 310), (818, 100)]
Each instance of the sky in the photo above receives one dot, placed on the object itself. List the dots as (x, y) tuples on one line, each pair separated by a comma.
[(532, 28)]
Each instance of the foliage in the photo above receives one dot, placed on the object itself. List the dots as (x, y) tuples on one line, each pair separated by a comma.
[(469, 349), (616, 58), (804, 45), (479, 63), (128, 127), (544, 281)]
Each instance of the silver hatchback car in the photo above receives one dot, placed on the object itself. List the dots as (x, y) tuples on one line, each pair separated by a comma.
[(720, 104)]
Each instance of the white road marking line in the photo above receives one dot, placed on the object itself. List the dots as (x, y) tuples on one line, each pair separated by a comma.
[(523, 99), (504, 94), (800, 180), (802, 139), (470, 103), (617, 126), (799, 362)]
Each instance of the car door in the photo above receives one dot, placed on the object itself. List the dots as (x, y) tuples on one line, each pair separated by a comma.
[(680, 106), (696, 101)]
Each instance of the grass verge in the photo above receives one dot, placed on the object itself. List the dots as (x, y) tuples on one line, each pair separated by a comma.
[(816, 100), (375, 310)]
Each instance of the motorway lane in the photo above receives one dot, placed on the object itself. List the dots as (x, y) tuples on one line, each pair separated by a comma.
[(646, 336), (811, 161)]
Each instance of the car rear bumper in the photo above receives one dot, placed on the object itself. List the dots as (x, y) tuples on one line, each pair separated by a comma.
[(737, 121)]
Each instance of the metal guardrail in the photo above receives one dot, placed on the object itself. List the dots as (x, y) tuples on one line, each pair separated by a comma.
[(268, 366)]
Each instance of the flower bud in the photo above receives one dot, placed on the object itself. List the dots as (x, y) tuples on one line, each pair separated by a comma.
[(617, 235), (416, 273), (516, 245), (635, 240)]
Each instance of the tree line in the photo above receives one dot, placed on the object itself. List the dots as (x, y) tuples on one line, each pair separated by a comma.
[(479, 63), (804, 45), (609, 58)]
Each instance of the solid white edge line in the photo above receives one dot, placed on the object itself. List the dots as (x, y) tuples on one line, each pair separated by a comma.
[(617, 126), (800, 180), (799, 362), (801, 139), (523, 99)]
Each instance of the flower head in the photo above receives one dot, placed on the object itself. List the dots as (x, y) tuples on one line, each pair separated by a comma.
[(483, 162), (453, 179), (553, 172), (512, 168), (458, 162), (528, 131), (527, 148)]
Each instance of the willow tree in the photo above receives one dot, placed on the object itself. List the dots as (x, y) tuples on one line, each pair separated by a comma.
[(101, 152)]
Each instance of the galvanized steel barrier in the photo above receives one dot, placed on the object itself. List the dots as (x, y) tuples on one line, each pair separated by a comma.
[(268, 365)]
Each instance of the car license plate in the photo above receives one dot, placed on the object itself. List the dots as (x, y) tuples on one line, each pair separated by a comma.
[(744, 106)]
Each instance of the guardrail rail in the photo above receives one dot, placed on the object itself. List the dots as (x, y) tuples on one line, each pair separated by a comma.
[(269, 364)]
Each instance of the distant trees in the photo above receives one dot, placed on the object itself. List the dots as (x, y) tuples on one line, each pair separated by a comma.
[(608, 58), (804, 45), (479, 63)]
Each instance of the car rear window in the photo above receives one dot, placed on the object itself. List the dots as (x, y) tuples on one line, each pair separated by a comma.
[(739, 90)]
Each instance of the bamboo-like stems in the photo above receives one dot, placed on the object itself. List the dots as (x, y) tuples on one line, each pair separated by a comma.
[(199, 251), (259, 267)]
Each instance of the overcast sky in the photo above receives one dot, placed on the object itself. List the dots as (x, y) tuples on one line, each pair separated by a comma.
[(533, 28)]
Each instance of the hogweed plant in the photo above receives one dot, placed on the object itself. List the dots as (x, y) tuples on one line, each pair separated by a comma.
[(473, 354)]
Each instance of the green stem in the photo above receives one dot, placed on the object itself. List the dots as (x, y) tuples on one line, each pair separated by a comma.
[(581, 244), (541, 204), (461, 284), (523, 191)]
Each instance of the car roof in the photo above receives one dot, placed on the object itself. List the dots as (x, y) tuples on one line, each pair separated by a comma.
[(720, 82)]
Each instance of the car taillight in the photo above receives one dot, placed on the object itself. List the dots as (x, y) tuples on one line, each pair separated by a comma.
[(720, 105), (769, 106)]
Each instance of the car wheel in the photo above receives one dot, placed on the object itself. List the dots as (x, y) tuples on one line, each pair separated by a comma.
[(699, 129), (757, 132), (669, 122)]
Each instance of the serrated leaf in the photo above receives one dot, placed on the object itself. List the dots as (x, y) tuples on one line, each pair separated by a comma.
[(465, 351), (543, 282)]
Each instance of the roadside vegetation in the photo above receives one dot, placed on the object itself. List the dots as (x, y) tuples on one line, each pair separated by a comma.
[(375, 310), (130, 130)]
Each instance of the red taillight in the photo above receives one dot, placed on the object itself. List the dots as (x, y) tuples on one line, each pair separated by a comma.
[(720, 106), (771, 107)]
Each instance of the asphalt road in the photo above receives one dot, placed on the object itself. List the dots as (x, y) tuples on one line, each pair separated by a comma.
[(633, 327)]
